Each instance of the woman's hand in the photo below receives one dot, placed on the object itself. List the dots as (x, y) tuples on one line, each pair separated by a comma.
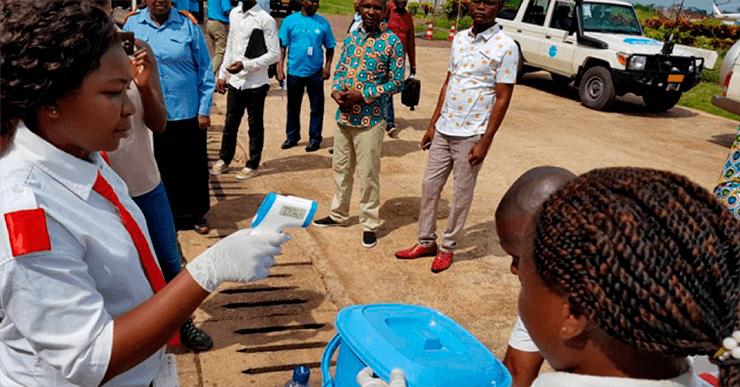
[(143, 65)]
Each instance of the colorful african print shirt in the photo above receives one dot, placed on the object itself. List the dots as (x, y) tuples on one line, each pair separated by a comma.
[(477, 64), (727, 190), (373, 65)]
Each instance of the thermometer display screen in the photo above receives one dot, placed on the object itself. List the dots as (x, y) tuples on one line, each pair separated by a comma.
[(292, 212)]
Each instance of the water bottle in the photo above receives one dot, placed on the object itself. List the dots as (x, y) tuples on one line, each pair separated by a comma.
[(300, 377)]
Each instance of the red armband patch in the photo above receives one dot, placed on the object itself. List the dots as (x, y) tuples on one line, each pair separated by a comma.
[(709, 378), (27, 231)]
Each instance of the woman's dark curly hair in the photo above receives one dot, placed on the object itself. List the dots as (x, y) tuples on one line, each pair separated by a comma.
[(47, 47), (649, 256)]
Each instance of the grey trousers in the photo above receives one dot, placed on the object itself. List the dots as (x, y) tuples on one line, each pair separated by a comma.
[(447, 154)]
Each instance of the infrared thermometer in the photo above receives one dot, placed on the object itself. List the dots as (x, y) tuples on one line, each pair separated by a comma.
[(278, 212)]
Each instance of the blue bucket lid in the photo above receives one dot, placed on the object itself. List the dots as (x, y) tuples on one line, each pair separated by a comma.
[(430, 348)]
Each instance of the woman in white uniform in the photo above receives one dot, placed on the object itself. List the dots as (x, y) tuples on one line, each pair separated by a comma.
[(82, 299)]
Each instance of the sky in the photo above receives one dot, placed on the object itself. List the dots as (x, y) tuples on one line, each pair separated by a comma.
[(730, 7)]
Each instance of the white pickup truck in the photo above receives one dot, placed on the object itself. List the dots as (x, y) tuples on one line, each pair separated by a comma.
[(599, 45), (729, 78)]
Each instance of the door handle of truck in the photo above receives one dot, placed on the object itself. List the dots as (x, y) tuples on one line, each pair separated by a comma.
[(565, 41), (518, 30), (548, 37)]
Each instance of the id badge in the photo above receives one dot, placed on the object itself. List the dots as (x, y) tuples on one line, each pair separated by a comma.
[(310, 51)]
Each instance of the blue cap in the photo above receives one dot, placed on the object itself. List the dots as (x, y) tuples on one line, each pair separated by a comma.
[(301, 374)]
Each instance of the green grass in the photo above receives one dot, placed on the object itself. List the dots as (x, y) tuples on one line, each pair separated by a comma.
[(337, 7), (700, 98), (438, 34)]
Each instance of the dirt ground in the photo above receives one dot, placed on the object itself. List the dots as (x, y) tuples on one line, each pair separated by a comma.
[(261, 331)]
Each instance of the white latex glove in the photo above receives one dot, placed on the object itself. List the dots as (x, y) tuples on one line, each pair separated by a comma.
[(243, 256), (365, 379)]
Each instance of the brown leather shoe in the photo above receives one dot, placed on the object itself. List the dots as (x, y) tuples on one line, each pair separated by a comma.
[(417, 251), (442, 261)]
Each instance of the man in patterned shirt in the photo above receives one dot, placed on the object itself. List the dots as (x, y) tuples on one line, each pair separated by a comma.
[(471, 106), (369, 71)]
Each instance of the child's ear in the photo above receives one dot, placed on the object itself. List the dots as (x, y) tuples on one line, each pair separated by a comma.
[(574, 325), (51, 110)]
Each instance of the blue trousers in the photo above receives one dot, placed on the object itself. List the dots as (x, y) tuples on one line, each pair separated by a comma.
[(159, 221), (314, 86)]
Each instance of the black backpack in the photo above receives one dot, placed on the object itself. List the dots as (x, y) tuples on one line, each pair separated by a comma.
[(411, 92)]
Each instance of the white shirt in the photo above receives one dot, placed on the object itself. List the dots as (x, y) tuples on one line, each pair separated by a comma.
[(58, 305), (241, 25), (134, 159), (477, 64), (565, 379), (520, 338)]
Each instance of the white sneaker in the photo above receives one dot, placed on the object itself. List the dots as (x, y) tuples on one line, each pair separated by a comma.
[(246, 174), (219, 168)]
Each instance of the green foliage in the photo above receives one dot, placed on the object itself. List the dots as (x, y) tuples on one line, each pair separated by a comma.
[(453, 8), (426, 7), (643, 14), (705, 34), (413, 8)]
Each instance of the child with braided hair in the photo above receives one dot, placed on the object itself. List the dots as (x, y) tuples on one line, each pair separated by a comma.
[(627, 272)]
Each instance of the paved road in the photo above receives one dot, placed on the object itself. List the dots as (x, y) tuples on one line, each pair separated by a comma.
[(262, 330)]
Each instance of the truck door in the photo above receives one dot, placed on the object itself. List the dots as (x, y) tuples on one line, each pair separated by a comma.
[(558, 45), (532, 30)]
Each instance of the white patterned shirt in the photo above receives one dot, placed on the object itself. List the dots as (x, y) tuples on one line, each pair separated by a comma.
[(477, 64)]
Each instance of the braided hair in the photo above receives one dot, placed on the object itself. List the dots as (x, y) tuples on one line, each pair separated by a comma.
[(649, 256), (47, 47)]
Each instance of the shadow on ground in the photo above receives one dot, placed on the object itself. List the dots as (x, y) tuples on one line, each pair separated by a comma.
[(478, 241), (629, 105), (724, 140), (262, 315), (399, 212)]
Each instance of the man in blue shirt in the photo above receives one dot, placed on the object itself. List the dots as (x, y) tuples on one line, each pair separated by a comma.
[(217, 29), (188, 83), (303, 36)]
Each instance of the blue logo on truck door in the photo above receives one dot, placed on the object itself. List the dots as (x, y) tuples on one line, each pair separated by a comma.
[(553, 51)]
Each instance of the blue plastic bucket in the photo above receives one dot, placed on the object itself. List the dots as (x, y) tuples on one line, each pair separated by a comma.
[(430, 348)]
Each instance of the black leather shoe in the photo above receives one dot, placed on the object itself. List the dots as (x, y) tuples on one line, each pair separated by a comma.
[(288, 144), (194, 337), (313, 146)]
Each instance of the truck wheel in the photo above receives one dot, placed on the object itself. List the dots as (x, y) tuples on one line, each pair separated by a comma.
[(596, 88), (560, 80), (662, 100)]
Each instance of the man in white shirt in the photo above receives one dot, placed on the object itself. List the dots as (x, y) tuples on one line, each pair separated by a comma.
[(473, 102), (248, 84)]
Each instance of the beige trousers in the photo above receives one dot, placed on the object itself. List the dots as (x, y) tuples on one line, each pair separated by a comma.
[(357, 148), (218, 33), (447, 154)]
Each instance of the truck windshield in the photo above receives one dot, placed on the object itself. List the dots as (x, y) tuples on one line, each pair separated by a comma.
[(614, 18)]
